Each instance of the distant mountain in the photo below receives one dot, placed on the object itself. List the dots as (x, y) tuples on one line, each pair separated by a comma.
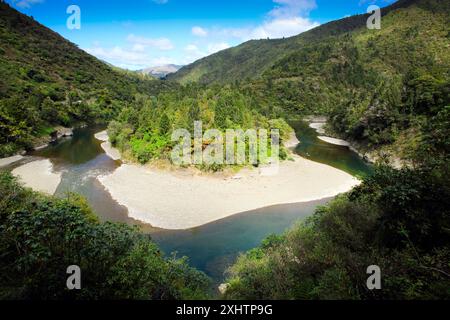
[(161, 71)]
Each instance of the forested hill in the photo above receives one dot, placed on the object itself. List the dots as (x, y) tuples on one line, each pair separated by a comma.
[(47, 81), (376, 86), (254, 58)]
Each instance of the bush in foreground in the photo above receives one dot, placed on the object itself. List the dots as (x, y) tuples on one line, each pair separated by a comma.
[(41, 236), (397, 219)]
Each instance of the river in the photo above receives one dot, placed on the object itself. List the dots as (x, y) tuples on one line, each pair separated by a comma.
[(212, 247)]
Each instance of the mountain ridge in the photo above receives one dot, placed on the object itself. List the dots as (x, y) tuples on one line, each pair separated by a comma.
[(160, 72), (375, 86), (271, 50)]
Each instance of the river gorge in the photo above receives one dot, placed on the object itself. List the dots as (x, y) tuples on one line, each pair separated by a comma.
[(80, 162)]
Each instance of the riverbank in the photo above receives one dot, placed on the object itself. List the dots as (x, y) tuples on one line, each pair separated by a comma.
[(185, 199), (292, 142), (56, 134), (337, 142), (362, 150), (10, 160), (110, 151), (39, 176), (319, 124)]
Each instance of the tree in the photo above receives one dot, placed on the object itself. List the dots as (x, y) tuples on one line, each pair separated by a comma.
[(164, 124), (49, 111), (117, 261)]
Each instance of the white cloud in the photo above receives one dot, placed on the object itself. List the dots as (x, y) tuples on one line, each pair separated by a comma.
[(216, 47), (137, 47), (160, 43), (199, 32), (160, 1), (128, 59), (192, 53), (25, 4), (292, 8), (288, 18), (283, 27), (136, 55), (161, 61), (191, 48), (271, 28), (120, 57)]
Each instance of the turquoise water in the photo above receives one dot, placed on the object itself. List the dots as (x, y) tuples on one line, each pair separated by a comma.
[(210, 248), (214, 247)]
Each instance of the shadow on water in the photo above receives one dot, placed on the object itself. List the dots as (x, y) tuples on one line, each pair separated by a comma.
[(340, 157), (80, 149), (211, 248)]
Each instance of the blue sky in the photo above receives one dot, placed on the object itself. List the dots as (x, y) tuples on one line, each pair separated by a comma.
[(142, 33)]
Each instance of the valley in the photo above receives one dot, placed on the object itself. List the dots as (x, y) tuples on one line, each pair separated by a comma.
[(109, 197), (81, 163)]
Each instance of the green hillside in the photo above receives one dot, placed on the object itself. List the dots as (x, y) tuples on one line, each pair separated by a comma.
[(253, 58), (375, 85), (47, 81)]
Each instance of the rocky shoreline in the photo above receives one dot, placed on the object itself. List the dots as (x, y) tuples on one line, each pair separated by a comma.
[(57, 134), (370, 156), (39, 144)]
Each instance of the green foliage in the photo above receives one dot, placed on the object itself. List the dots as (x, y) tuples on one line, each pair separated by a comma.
[(151, 146), (396, 219), (435, 140), (145, 130), (375, 85), (46, 80), (41, 236), (164, 124)]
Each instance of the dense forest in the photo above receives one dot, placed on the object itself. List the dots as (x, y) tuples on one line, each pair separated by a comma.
[(48, 81), (143, 131), (383, 89), (398, 220), (376, 86)]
